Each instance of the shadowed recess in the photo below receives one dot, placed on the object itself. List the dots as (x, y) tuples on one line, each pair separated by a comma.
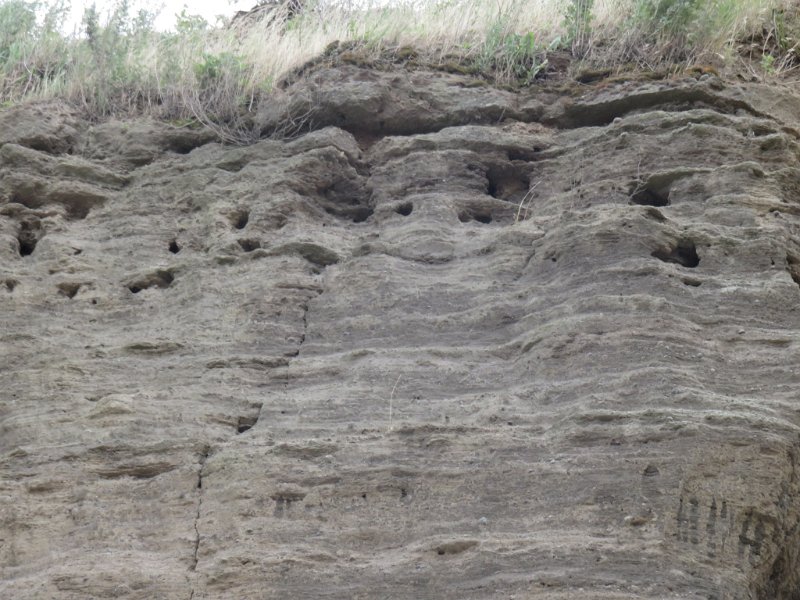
[(683, 253), (158, 278)]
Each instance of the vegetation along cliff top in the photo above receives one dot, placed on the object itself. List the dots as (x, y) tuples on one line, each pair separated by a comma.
[(117, 63)]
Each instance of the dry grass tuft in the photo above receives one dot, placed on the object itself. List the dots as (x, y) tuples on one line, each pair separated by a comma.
[(120, 65)]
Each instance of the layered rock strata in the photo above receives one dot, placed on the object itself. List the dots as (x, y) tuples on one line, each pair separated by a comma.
[(448, 341)]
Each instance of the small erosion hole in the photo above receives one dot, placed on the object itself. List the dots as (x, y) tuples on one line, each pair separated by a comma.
[(404, 209), (479, 216), (245, 424), (68, 289), (174, 247), (11, 284), (649, 196), (507, 181), (249, 245), (240, 218), (27, 244), (160, 278), (684, 253), (361, 214)]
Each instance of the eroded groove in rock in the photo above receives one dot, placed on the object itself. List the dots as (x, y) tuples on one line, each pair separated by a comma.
[(793, 266), (624, 100)]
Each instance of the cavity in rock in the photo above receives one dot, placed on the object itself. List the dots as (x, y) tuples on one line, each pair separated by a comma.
[(507, 181), (683, 253), (240, 218), (161, 279), (245, 423), (649, 196), (28, 238), (68, 289), (249, 245), (479, 216), (404, 209)]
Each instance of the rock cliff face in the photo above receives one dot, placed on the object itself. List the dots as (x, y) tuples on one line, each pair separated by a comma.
[(450, 342)]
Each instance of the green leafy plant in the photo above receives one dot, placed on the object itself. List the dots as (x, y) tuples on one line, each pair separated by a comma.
[(217, 69), (523, 57), (768, 64), (667, 15), (510, 56)]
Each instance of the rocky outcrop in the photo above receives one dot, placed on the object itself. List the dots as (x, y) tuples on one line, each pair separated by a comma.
[(450, 342)]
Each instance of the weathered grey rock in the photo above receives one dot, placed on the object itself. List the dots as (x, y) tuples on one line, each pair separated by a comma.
[(45, 126), (376, 103), (494, 357), (130, 144)]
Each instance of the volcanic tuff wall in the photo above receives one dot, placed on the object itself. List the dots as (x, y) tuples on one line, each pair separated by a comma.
[(455, 342)]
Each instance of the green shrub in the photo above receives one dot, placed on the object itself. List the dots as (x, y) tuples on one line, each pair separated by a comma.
[(218, 69), (510, 56), (672, 19)]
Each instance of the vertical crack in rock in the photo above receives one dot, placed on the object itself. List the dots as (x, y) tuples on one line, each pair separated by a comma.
[(199, 487), (305, 326), (305, 306)]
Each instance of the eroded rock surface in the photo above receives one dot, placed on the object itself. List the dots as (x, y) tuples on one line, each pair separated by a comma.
[(454, 342)]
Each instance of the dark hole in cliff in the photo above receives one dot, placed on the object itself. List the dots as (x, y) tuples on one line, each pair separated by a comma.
[(404, 209), (507, 181), (649, 196), (245, 423), (161, 279), (174, 247), (11, 284), (68, 289), (479, 216), (361, 214), (249, 245), (28, 237), (683, 253), (240, 218), (26, 246), (184, 145)]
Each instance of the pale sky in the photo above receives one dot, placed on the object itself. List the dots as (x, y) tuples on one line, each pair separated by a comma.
[(208, 9)]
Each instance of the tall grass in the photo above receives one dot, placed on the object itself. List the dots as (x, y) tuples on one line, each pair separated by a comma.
[(118, 63)]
